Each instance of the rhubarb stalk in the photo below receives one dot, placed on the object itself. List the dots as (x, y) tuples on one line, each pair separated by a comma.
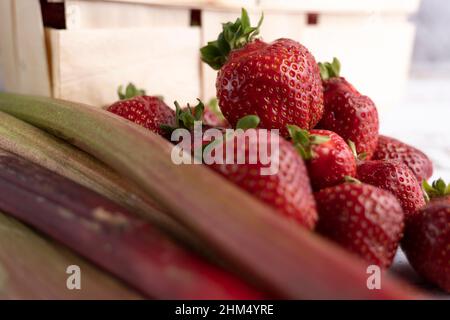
[(253, 240), (58, 156), (44, 263), (106, 234)]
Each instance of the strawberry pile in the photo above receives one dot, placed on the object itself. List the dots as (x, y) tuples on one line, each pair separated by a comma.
[(337, 175)]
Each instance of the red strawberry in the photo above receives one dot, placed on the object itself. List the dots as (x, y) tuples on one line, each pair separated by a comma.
[(392, 149), (287, 190), (427, 243), (147, 111), (278, 81), (328, 158), (348, 113), (366, 220), (396, 178)]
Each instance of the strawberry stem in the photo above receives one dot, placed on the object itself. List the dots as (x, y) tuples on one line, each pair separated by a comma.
[(361, 157), (233, 36), (303, 141), (213, 105), (436, 190), (131, 91), (185, 118), (330, 70)]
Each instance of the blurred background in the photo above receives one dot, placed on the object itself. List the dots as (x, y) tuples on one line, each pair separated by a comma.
[(395, 51)]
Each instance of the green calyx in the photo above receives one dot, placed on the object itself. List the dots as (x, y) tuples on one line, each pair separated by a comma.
[(436, 190), (303, 141), (330, 70), (248, 122), (131, 91), (361, 157), (213, 105), (186, 118), (233, 36)]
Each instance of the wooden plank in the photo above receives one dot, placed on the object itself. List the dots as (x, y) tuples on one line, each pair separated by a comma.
[(196, 4), (32, 267), (8, 74), (343, 6), (89, 65), (323, 6), (22, 50), (31, 69), (103, 14)]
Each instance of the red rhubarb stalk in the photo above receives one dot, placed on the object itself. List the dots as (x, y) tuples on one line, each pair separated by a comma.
[(106, 234)]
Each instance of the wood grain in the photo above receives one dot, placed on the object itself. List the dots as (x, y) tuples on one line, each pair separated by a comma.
[(89, 65), (102, 14), (23, 57), (342, 6)]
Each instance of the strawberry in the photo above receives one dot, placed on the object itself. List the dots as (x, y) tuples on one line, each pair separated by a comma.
[(364, 219), (392, 149), (348, 113), (148, 111), (395, 177), (427, 243), (287, 189), (328, 158), (278, 81)]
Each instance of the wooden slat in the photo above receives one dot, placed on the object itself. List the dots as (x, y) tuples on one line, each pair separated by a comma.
[(32, 267), (8, 74), (23, 57), (341, 6), (102, 14), (89, 65), (196, 4)]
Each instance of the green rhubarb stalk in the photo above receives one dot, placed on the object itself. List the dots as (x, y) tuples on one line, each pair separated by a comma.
[(25, 252), (35, 145), (254, 241)]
